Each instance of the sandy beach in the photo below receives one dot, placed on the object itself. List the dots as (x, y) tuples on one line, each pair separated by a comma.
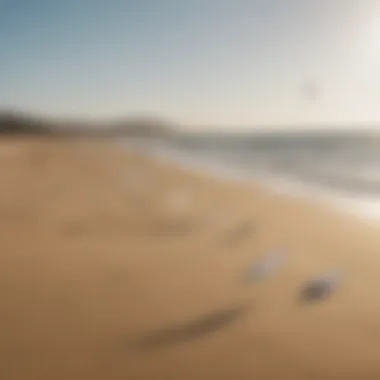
[(116, 266)]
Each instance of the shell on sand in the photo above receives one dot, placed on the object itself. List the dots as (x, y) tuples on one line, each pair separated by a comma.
[(322, 285)]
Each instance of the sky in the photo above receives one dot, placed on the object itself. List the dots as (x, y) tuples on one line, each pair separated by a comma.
[(202, 63)]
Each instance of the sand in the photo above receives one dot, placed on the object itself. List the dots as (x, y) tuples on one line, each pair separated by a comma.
[(116, 266)]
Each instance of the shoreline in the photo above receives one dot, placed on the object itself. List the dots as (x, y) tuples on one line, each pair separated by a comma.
[(359, 206)]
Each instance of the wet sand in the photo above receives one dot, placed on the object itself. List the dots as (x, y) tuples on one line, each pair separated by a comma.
[(106, 273)]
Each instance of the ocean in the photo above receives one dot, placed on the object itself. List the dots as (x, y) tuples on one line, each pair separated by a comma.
[(342, 168)]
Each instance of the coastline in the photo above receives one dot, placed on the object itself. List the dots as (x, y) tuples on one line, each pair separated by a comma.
[(101, 264), (363, 207)]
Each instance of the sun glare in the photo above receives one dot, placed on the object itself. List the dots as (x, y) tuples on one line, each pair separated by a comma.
[(372, 36)]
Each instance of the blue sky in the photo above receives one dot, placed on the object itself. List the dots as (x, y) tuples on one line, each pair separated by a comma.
[(199, 62)]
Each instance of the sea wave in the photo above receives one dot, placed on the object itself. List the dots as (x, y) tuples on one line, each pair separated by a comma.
[(344, 171)]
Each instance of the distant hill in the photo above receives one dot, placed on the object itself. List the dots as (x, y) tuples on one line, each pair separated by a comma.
[(18, 123), (141, 127)]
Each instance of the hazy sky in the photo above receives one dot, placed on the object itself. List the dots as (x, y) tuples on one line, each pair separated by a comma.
[(201, 62)]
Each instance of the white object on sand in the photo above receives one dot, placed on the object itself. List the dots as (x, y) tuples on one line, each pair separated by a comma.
[(266, 266)]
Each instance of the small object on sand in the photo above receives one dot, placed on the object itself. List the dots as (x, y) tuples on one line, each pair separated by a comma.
[(196, 328), (243, 230), (321, 286), (266, 266)]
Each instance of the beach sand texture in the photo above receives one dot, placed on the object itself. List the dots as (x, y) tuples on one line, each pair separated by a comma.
[(108, 272)]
